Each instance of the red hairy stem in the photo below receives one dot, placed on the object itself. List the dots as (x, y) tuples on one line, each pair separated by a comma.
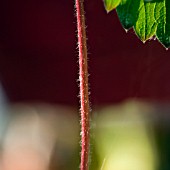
[(83, 78)]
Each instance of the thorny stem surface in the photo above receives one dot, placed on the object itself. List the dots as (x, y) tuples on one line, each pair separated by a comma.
[(83, 78)]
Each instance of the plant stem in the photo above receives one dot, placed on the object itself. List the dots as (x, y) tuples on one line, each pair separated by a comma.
[(83, 78)]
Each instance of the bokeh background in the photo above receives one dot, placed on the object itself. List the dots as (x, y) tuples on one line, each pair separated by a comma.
[(39, 77)]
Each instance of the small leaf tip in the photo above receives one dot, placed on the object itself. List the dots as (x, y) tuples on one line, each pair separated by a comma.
[(111, 4), (126, 30), (107, 11)]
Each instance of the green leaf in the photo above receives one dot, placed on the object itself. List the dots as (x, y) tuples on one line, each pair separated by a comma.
[(128, 12), (147, 17), (111, 4), (146, 25), (162, 15)]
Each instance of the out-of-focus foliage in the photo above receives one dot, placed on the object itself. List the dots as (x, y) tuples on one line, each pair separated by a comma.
[(127, 136), (124, 140)]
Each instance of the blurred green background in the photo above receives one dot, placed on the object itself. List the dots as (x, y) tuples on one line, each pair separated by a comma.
[(128, 136)]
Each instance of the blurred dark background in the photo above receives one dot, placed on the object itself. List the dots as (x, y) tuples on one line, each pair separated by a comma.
[(39, 63), (38, 55)]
